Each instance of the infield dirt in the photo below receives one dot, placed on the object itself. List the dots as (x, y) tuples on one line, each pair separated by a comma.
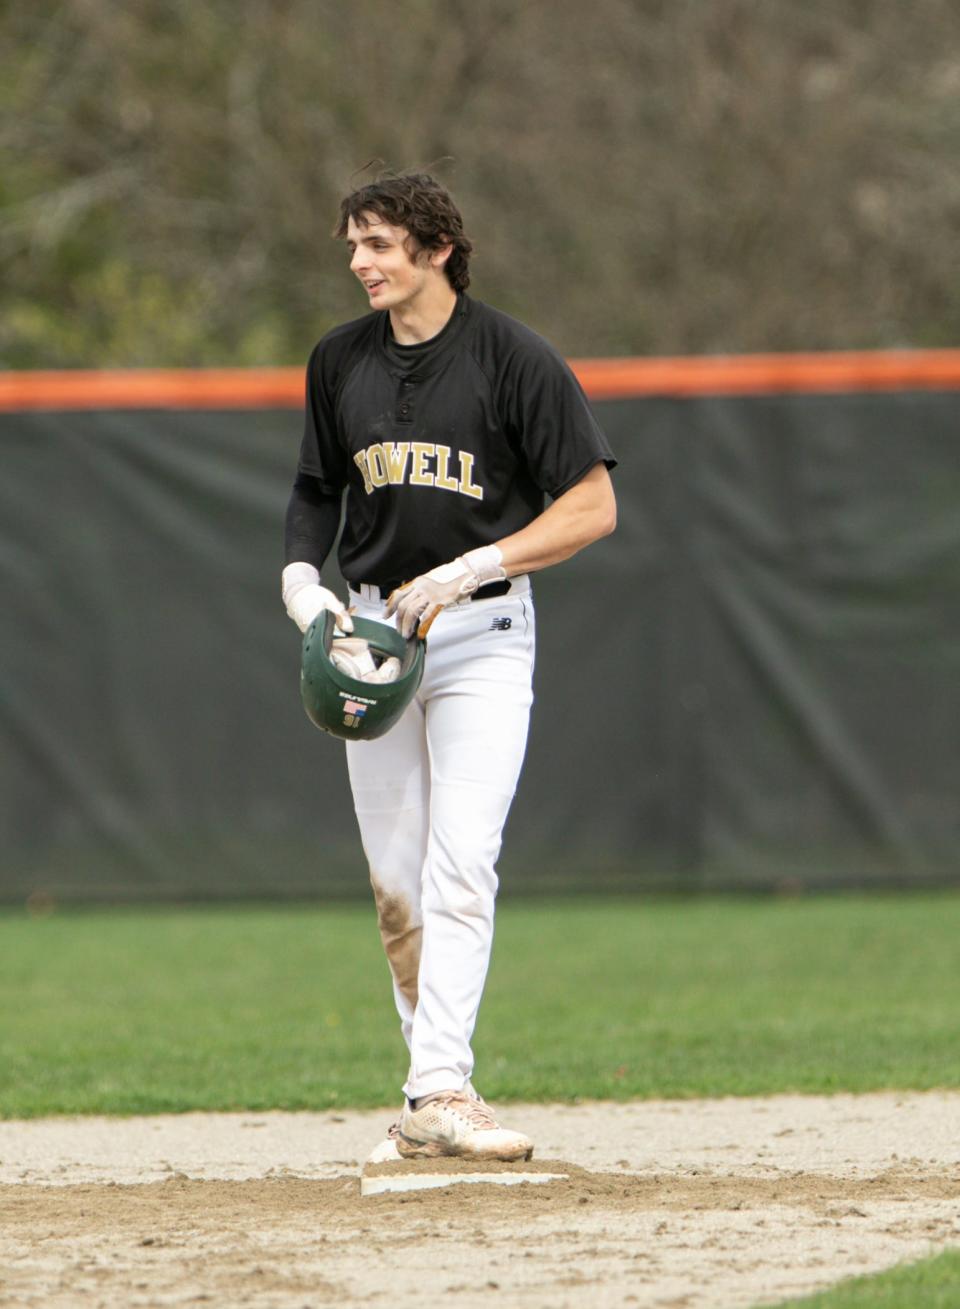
[(684, 1204)]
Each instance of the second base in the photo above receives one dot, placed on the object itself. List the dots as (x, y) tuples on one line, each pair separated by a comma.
[(404, 1181)]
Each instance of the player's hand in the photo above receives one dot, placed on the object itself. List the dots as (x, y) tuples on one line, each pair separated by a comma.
[(418, 602), (304, 597)]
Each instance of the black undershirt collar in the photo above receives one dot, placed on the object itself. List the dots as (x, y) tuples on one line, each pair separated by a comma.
[(422, 353)]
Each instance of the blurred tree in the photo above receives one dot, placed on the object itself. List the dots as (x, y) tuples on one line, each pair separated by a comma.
[(639, 176)]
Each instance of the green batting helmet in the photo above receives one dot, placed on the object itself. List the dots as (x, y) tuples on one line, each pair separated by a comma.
[(343, 705)]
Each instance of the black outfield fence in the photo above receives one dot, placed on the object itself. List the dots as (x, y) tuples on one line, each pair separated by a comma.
[(755, 683)]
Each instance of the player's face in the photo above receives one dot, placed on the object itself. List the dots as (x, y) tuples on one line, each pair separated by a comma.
[(381, 259)]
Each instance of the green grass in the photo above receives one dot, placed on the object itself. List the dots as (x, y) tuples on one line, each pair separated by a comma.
[(140, 1011), (931, 1284)]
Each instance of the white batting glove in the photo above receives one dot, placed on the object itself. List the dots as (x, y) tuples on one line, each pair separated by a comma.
[(418, 602), (304, 597), (353, 656)]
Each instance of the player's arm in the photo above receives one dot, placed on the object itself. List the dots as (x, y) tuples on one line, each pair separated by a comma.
[(310, 529), (584, 513)]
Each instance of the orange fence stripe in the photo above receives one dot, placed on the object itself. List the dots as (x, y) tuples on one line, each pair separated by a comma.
[(603, 379), (155, 388), (770, 374)]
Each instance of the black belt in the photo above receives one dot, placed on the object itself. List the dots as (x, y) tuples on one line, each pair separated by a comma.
[(486, 592)]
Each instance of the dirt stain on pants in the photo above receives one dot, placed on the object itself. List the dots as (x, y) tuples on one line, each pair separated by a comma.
[(401, 941)]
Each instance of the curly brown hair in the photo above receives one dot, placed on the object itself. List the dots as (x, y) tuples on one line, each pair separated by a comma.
[(424, 207)]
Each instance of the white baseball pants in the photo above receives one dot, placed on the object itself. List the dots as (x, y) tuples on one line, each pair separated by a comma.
[(431, 798)]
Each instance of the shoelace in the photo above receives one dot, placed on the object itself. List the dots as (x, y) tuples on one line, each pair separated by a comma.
[(477, 1112)]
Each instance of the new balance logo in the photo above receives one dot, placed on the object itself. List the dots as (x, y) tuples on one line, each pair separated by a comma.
[(501, 625)]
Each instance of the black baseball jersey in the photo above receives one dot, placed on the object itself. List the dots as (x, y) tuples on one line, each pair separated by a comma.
[(442, 446)]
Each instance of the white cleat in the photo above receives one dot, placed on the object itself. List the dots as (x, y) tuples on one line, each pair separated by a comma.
[(457, 1123), (387, 1153)]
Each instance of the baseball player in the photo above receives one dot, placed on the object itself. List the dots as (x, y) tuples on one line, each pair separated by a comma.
[(441, 428)]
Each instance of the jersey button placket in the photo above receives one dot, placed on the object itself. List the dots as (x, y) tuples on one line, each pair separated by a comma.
[(404, 411)]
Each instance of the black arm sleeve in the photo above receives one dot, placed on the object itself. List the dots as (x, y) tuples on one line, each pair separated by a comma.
[(313, 517)]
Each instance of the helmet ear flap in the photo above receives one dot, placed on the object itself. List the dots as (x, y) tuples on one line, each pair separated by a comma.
[(345, 706)]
